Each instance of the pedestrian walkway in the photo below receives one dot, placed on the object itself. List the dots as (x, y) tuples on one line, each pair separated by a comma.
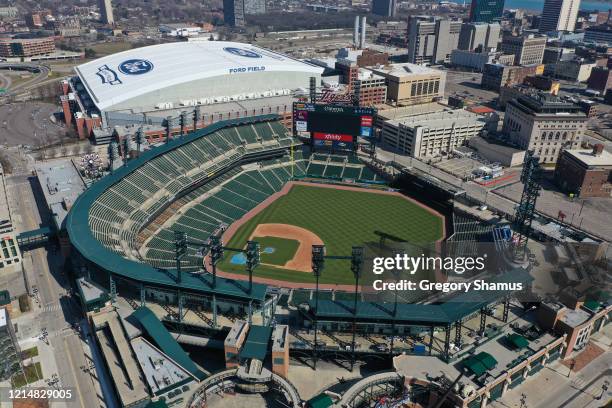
[(590, 353)]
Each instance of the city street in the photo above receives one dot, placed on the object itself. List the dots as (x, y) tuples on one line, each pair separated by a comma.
[(51, 324)]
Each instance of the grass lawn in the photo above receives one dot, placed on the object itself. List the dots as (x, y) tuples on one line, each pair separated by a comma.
[(284, 249), (342, 219), (29, 353), (33, 373)]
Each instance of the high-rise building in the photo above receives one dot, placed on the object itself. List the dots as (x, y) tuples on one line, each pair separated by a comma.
[(527, 49), (254, 6), (481, 36), (385, 8), (233, 12), (431, 39), (106, 12), (486, 11), (544, 123), (559, 15)]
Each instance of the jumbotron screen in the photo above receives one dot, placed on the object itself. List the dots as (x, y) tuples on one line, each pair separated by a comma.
[(333, 122)]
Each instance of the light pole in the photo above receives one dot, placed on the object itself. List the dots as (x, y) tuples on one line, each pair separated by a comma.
[(356, 268), (318, 262)]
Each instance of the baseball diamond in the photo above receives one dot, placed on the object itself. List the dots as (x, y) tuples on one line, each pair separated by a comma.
[(342, 217)]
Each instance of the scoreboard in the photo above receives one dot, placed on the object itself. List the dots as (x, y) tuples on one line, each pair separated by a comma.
[(333, 125)]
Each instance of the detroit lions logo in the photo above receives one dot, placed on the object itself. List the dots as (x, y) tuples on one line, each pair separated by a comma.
[(241, 52), (135, 67), (108, 76)]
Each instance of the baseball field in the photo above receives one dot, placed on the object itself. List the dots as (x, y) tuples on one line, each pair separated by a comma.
[(337, 217)]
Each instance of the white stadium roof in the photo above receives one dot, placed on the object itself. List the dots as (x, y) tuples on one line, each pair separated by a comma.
[(123, 76)]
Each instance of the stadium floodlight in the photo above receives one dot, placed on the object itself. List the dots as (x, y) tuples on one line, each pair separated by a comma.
[(197, 117), (180, 250), (183, 122), (113, 153), (216, 254), (357, 261), (318, 259), (168, 126), (140, 139), (253, 260)]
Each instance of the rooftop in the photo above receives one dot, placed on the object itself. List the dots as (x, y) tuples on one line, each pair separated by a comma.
[(587, 157), (406, 70), (575, 317), (439, 119), (119, 77), (2, 317), (161, 373), (89, 290), (256, 345), (61, 184)]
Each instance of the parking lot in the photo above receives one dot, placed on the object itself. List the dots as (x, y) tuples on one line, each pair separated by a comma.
[(29, 123)]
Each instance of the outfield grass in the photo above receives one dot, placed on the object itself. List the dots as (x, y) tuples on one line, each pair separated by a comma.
[(342, 219), (284, 249)]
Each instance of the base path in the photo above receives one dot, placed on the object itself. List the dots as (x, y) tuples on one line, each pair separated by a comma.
[(306, 238)]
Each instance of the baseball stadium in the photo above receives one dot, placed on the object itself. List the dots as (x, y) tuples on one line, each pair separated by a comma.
[(249, 180), (242, 226)]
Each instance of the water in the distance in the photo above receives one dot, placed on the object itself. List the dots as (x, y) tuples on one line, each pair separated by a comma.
[(537, 5)]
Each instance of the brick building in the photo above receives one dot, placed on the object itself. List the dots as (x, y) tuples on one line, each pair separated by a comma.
[(600, 79), (26, 47), (587, 173)]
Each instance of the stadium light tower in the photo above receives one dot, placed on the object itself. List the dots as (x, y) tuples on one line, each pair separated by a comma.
[(197, 117), (318, 262), (530, 177), (168, 126), (253, 260), (356, 268), (113, 152), (140, 138), (183, 122), (180, 250), (216, 254)]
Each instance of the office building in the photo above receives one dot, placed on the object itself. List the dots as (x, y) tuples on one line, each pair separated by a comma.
[(479, 36), (494, 76), (233, 13), (544, 123), (371, 87), (600, 79), (527, 49), (431, 39), (254, 7), (601, 34), (559, 15), (573, 70), (385, 8), (410, 84), (106, 12), (477, 60), (585, 172), (26, 47), (486, 11), (432, 134)]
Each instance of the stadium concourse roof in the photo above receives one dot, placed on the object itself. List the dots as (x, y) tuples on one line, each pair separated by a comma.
[(81, 236), (119, 77), (256, 345), (451, 310), (165, 341)]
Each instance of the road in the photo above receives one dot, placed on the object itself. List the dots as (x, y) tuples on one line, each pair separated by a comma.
[(39, 77), (57, 312), (552, 387)]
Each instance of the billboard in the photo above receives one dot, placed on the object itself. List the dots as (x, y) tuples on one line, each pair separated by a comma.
[(333, 120)]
